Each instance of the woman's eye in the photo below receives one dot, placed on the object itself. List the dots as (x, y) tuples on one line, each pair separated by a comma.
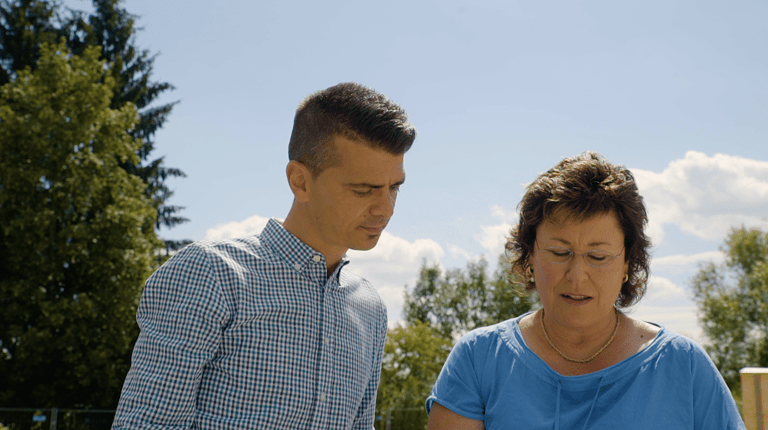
[(597, 257)]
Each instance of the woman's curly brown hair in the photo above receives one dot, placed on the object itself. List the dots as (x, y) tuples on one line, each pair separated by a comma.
[(582, 187)]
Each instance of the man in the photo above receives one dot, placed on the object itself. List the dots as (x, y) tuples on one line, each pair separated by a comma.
[(270, 331)]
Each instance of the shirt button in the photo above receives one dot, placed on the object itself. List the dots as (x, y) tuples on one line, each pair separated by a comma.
[(326, 340), (297, 266), (316, 258), (322, 397)]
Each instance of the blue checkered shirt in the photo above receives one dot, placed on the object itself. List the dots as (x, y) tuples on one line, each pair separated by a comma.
[(253, 334)]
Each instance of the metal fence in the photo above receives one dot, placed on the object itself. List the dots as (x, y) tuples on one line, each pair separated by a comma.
[(55, 419), (101, 419), (402, 419)]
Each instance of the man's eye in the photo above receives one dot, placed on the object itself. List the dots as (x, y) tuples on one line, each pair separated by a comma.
[(362, 193)]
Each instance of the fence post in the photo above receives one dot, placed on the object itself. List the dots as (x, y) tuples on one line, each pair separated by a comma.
[(54, 418), (754, 389)]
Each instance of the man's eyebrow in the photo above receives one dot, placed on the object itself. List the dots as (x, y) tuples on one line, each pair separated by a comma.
[(375, 186)]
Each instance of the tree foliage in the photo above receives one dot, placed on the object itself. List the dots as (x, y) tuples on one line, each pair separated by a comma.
[(413, 357), (26, 24), (77, 234), (457, 301), (441, 307), (733, 303)]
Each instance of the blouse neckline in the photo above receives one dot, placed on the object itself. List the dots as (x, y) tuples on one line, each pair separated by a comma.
[(515, 340)]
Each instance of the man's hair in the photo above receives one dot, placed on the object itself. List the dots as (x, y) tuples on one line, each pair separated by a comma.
[(579, 188), (352, 111)]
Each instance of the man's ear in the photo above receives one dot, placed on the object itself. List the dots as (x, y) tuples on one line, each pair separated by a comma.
[(298, 179)]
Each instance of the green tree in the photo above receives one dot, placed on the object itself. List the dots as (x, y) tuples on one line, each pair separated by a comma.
[(457, 301), (78, 236), (413, 357), (26, 24), (733, 303), (442, 307)]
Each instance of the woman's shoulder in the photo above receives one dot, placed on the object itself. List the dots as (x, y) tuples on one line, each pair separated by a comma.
[(640, 335), (491, 336), (664, 339)]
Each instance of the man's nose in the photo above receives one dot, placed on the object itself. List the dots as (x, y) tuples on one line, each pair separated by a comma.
[(384, 206)]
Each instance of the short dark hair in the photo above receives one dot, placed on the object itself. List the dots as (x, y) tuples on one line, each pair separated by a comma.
[(581, 187), (350, 110)]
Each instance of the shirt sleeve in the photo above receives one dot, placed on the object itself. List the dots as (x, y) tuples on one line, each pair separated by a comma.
[(458, 387), (713, 404), (181, 315), (366, 414)]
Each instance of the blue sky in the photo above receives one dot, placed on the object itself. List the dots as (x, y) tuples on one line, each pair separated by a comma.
[(499, 92)]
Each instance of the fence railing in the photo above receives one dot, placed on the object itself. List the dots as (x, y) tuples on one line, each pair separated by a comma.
[(402, 419), (101, 419), (55, 419)]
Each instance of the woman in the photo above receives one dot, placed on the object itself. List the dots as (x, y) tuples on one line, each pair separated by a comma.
[(579, 362)]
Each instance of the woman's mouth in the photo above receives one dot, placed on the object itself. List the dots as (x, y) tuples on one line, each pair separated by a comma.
[(576, 297)]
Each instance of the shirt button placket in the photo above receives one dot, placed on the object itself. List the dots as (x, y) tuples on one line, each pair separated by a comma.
[(321, 420)]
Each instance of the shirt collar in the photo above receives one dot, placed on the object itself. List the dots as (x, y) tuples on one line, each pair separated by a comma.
[(292, 250)]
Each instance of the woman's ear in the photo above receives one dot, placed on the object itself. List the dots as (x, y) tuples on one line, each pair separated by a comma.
[(298, 179)]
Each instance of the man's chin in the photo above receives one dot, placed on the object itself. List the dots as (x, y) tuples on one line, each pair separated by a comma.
[(366, 245)]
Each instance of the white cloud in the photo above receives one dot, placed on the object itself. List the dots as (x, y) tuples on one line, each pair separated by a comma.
[(393, 264), (493, 238), (682, 263), (248, 227), (457, 251), (705, 196), (683, 259), (681, 319), (668, 304), (502, 214), (663, 291)]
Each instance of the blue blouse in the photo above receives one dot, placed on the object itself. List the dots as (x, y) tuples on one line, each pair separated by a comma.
[(491, 375)]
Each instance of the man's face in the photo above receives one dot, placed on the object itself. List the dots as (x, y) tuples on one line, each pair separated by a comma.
[(350, 204)]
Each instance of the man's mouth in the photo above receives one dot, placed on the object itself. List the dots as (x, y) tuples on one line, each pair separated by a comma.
[(374, 230)]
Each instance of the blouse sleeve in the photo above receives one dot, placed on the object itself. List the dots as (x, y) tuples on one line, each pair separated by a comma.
[(713, 404), (458, 387)]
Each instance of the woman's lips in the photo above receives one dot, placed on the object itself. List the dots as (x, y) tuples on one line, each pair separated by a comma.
[(576, 298)]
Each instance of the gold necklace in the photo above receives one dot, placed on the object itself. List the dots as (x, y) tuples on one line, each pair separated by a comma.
[(615, 330)]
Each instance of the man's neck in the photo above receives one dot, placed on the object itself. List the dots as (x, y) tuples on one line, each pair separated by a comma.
[(295, 225)]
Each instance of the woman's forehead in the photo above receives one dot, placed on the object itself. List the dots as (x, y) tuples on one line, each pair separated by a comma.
[(568, 228)]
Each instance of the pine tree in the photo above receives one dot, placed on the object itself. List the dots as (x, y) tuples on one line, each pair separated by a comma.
[(77, 238), (26, 24)]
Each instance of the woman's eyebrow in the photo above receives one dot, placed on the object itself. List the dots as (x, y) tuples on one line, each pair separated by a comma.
[(565, 242)]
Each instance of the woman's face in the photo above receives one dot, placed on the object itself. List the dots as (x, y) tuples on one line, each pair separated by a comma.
[(575, 292)]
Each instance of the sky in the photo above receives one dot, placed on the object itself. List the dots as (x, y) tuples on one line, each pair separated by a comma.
[(499, 91)]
